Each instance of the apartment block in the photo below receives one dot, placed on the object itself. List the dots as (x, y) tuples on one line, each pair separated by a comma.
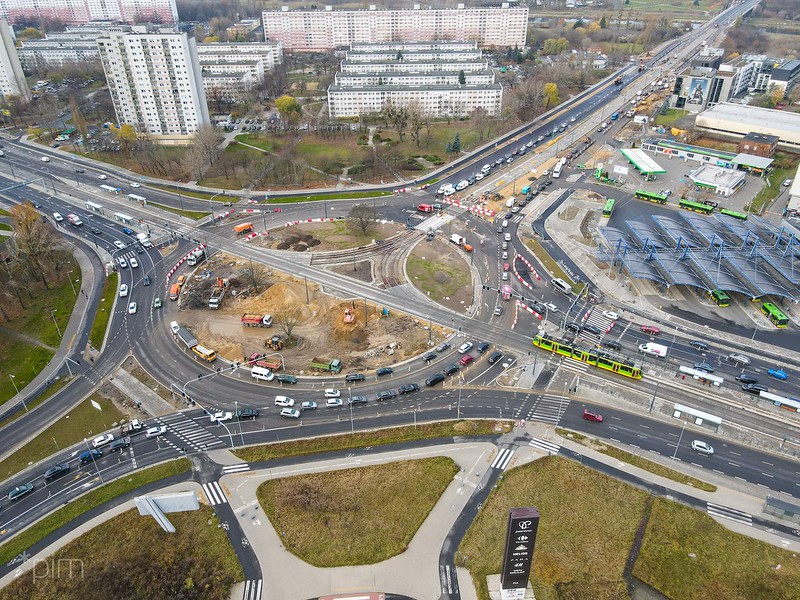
[(12, 79), (76, 12), (400, 74), (154, 78), (319, 30), (229, 70), (76, 44)]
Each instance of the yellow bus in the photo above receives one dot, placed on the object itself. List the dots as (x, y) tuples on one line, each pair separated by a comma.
[(206, 354)]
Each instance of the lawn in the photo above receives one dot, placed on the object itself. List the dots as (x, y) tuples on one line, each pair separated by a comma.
[(355, 516), (50, 391), (131, 557), (543, 256), (667, 120), (393, 435), (638, 461), (337, 196), (97, 497), (437, 278), (83, 421), (267, 143), (688, 555), (175, 169), (190, 214), (784, 169), (103, 314), (22, 360), (588, 523)]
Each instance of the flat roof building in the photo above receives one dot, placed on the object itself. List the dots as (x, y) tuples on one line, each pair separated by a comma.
[(76, 12), (737, 120), (759, 144), (723, 182), (318, 30), (12, 79), (76, 44)]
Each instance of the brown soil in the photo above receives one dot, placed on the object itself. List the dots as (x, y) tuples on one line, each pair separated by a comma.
[(363, 270), (324, 237)]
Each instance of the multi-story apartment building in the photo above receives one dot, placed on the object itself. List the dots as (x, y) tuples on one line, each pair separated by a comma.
[(12, 79), (155, 83), (231, 69), (76, 12), (76, 44), (398, 74), (314, 30)]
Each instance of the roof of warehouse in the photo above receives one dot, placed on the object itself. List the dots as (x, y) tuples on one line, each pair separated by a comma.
[(753, 115)]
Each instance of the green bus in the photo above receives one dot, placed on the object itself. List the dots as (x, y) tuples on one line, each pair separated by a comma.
[(696, 207), (775, 315), (609, 207), (651, 196), (720, 298), (734, 214)]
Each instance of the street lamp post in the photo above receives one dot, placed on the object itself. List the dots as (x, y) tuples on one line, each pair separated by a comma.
[(72, 285), (680, 437), (211, 206), (96, 466), (16, 389), (238, 420), (53, 316), (350, 402)]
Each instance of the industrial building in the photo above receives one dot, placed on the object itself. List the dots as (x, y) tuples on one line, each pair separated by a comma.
[(736, 121), (728, 160), (319, 30)]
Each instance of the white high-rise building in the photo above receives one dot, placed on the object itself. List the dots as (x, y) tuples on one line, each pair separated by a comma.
[(312, 30), (155, 83), (76, 12), (12, 79)]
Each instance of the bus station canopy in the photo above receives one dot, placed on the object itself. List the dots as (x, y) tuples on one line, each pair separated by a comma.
[(643, 163)]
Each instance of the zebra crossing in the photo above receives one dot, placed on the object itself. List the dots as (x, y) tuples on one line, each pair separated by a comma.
[(517, 218), (548, 408), (237, 468), (546, 446), (252, 589), (724, 512), (214, 493), (190, 433), (502, 459)]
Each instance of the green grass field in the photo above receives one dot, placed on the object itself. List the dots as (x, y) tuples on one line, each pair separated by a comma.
[(83, 421), (53, 389), (189, 214), (667, 120), (103, 314), (437, 278), (355, 516)]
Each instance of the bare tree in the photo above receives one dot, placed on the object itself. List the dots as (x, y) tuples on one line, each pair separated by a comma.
[(34, 240), (362, 217), (255, 276), (416, 120), (206, 141), (287, 319)]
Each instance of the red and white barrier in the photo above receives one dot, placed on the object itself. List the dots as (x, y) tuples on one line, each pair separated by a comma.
[(250, 236), (516, 273), (171, 272), (521, 305), (317, 220), (530, 266)]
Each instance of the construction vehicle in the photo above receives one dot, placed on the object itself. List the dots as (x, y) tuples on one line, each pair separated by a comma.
[(243, 228), (349, 317), (333, 365), (218, 293), (275, 342), (187, 338), (618, 81), (260, 360), (195, 257), (134, 425), (256, 320)]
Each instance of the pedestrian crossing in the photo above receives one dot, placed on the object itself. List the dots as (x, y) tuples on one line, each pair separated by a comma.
[(238, 468), (517, 218), (548, 408), (724, 512), (190, 434), (435, 222), (546, 446), (214, 493), (252, 589), (502, 459)]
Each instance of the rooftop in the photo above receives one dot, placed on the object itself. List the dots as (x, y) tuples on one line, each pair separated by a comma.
[(753, 116), (713, 175), (409, 88)]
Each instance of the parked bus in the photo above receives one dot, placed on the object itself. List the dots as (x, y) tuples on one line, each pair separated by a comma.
[(734, 214), (650, 196), (206, 354), (775, 315), (137, 198), (609, 207), (696, 207), (561, 285), (720, 298), (559, 167)]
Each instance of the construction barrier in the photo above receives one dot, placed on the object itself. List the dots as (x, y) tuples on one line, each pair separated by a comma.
[(529, 265), (171, 272)]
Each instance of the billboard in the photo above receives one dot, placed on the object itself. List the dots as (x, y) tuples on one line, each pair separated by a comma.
[(523, 523), (697, 91)]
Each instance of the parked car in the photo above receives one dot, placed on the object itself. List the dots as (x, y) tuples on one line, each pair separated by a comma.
[(442, 347), (353, 377), (429, 356), (354, 400), (308, 405), (494, 357), (386, 395), (592, 416), (332, 393), (451, 369), (466, 359), (284, 378), (408, 388), (702, 447), (434, 379), (483, 347)]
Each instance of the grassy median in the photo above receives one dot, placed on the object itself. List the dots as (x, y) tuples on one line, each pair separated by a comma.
[(103, 315), (79, 506), (381, 437)]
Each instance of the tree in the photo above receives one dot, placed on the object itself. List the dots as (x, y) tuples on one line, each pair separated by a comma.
[(399, 118), (456, 145), (207, 140), (255, 276), (30, 33), (603, 23), (550, 95), (287, 319), (362, 217), (462, 79), (34, 240), (127, 137), (416, 120), (776, 94), (288, 108)]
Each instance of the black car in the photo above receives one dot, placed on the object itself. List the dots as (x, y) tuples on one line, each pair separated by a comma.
[(284, 378), (443, 346), (549, 182), (612, 344), (119, 444), (56, 471), (36, 204), (592, 329), (408, 388), (434, 379), (96, 231), (146, 280), (247, 413), (386, 395), (358, 400), (139, 249), (450, 369), (539, 308), (79, 170), (429, 356), (745, 378), (754, 388), (483, 347), (698, 345), (494, 357), (354, 377), (90, 455), (574, 327), (384, 371)]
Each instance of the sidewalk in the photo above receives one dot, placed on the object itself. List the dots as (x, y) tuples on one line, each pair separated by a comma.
[(147, 400)]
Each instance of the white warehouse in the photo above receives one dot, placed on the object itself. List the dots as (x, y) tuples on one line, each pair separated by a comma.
[(736, 120)]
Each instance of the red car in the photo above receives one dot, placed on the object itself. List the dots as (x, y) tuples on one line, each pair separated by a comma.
[(466, 359), (592, 416), (650, 329), (506, 267)]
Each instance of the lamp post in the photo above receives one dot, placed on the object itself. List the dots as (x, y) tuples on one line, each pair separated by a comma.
[(96, 466), (350, 402), (53, 316), (238, 420), (72, 285), (680, 437)]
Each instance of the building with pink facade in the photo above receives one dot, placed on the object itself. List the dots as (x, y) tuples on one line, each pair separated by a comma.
[(77, 12)]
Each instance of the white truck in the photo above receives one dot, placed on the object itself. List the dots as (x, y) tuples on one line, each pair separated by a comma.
[(195, 257), (457, 239), (653, 349), (144, 240)]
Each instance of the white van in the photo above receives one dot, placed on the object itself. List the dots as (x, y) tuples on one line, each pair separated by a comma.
[(485, 169), (174, 327), (262, 373), (505, 223), (510, 202)]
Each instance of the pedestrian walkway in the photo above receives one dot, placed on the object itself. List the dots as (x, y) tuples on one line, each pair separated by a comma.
[(189, 433), (502, 459), (146, 399), (214, 493)]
